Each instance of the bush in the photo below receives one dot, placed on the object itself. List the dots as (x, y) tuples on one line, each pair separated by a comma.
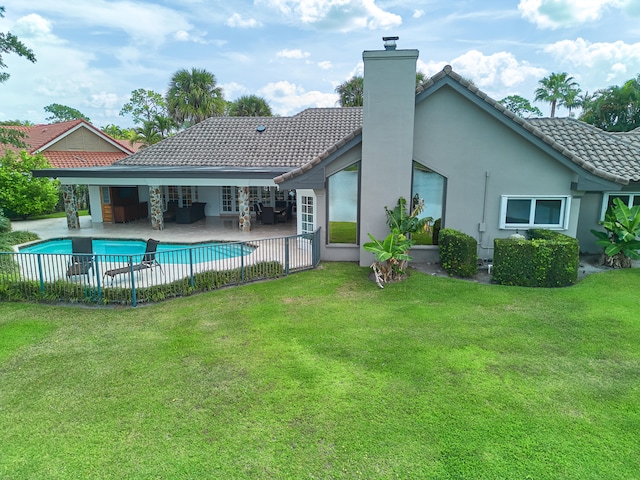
[(5, 223), (546, 259), (458, 253)]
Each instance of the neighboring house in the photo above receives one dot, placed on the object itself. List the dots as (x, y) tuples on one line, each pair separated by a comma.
[(73, 144), (479, 168)]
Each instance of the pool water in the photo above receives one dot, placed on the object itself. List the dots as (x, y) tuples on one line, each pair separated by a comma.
[(169, 253)]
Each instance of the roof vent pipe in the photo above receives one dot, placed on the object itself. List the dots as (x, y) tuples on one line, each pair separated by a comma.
[(390, 42)]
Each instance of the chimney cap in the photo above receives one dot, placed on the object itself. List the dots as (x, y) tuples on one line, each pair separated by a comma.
[(390, 42)]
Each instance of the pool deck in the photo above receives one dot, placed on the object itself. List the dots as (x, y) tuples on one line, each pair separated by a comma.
[(210, 228)]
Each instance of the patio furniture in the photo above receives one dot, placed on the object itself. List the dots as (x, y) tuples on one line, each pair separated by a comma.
[(190, 214), (285, 214), (148, 261), (268, 216), (129, 212), (170, 214), (81, 259), (257, 207)]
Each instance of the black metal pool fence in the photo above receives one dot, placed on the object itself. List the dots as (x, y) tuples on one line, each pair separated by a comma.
[(132, 279)]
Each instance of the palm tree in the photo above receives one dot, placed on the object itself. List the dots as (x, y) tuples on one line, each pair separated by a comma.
[(557, 89), (350, 92), (249, 106), (194, 96)]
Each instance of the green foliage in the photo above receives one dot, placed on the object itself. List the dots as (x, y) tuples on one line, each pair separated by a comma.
[(5, 223), (194, 96), (350, 92), (144, 106), (558, 89), (520, 106), (614, 109), (458, 253), (63, 113), (547, 259), (404, 221), (249, 106), (9, 43), (620, 241), (21, 192), (391, 256)]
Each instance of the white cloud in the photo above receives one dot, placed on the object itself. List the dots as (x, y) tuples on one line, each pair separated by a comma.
[(495, 72), (325, 65), (564, 13), (234, 90), (236, 21), (104, 100), (287, 98), (619, 60), (418, 13), (342, 15), (296, 54), (36, 28)]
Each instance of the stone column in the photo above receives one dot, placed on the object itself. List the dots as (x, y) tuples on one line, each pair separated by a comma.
[(71, 206), (245, 209), (155, 199)]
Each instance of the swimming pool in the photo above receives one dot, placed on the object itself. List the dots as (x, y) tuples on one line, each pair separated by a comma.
[(168, 253)]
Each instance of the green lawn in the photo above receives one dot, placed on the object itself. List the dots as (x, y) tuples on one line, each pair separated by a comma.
[(321, 375), (81, 213)]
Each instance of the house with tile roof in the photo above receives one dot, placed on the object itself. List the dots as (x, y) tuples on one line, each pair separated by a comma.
[(479, 168), (72, 144)]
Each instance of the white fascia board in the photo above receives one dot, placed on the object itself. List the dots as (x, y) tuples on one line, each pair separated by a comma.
[(195, 182)]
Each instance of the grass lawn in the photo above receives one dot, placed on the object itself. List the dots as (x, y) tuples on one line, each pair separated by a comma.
[(343, 232), (323, 375), (81, 213)]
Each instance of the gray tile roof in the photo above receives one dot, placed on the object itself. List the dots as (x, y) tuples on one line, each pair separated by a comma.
[(297, 144), (617, 154), (286, 142)]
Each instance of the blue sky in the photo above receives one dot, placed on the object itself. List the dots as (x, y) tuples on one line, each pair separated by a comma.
[(92, 54)]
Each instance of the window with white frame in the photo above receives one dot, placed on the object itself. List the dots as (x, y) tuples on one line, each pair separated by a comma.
[(184, 196), (520, 211), (630, 199)]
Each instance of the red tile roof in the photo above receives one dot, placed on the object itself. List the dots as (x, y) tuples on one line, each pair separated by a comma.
[(39, 136)]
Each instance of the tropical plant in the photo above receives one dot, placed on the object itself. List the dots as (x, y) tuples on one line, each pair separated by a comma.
[(350, 92), (249, 106), (391, 256), (5, 223), (405, 221), (520, 106), (20, 192), (614, 109), (558, 89), (391, 253), (620, 241), (194, 96)]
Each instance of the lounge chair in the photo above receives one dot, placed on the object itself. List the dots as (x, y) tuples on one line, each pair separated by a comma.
[(257, 207), (148, 261), (81, 259)]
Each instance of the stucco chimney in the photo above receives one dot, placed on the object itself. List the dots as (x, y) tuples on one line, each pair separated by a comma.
[(387, 136)]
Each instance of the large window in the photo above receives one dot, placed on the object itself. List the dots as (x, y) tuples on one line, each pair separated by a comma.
[(630, 199), (183, 195), (430, 187), (343, 205), (528, 212)]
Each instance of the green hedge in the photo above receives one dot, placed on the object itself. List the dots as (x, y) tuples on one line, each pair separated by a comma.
[(458, 253), (546, 259), (14, 289)]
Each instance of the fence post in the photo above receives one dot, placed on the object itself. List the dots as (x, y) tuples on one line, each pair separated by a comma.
[(96, 271), (134, 301), (192, 280), (40, 273), (286, 255), (241, 262)]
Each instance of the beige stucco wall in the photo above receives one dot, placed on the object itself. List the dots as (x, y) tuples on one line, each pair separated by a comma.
[(83, 140)]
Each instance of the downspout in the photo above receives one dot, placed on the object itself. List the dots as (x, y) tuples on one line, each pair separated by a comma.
[(483, 225)]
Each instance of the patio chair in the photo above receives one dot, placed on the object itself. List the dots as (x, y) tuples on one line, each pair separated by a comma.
[(81, 259), (148, 261), (268, 216)]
